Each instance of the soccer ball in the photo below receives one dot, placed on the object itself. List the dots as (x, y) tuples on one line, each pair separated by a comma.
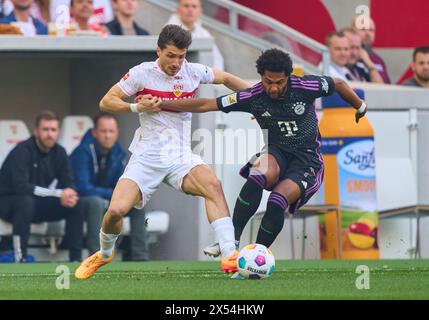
[(255, 261)]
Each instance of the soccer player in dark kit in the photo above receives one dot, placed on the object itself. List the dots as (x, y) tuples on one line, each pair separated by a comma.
[(290, 165)]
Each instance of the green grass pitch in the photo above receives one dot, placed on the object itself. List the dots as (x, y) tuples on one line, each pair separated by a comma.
[(164, 280)]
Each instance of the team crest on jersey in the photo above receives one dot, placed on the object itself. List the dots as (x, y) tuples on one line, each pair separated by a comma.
[(229, 99), (178, 90), (299, 108)]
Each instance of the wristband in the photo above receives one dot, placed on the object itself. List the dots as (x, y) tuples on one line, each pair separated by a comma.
[(133, 107), (362, 108)]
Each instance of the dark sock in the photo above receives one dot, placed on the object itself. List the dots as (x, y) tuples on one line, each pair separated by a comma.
[(248, 201), (273, 220)]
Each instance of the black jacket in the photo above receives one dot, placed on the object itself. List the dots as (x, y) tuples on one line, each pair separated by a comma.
[(115, 28), (26, 167)]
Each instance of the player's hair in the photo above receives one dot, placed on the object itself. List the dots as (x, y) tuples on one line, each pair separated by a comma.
[(423, 49), (175, 35), (104, 115), (339, 34), (46, 115), (274, 60)]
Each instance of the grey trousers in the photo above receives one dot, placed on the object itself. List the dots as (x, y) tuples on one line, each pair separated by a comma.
[(94, 209)]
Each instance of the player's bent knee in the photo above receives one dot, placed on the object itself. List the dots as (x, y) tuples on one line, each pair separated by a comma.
[(116, 212), (213, 188)]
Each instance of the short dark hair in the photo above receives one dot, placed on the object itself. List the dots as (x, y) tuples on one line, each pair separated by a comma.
[(46, 115), (175, 35), (274, 60), (423, 49), (339, 34), (104, 115)]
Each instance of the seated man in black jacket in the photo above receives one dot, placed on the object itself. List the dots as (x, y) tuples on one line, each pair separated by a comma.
[(36, 185), (124, 24)]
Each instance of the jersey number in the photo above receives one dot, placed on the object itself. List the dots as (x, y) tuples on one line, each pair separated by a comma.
[(289, 127)]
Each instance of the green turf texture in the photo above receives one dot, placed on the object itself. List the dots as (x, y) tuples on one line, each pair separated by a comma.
[(164, 280)]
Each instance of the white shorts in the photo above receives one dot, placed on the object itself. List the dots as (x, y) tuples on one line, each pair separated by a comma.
[(148, 173)]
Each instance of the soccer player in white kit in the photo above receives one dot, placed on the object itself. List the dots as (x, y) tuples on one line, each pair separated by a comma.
[(161, 148)]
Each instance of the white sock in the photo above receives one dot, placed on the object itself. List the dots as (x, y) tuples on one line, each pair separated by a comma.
[(107, 244), (224, 230)]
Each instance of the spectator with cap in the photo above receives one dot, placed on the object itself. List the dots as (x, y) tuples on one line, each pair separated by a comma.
[(420, 67), (98, 162), (188, 14), (124, 23)]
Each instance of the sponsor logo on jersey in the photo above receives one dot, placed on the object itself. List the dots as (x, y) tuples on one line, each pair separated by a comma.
[(266, 114), (178, 90), (325, 86), (229, 100), (299, 108)]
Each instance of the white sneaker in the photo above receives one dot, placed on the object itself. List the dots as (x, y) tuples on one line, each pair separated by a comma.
[(212, 250)]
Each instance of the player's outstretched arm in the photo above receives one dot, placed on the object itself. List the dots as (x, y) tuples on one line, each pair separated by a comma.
[(114, 102), (351, 97), (191, 105), (229, 80)]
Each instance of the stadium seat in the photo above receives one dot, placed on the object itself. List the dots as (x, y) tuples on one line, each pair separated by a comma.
[(72, 131), (12, 132), (158, 223), (36, 228)]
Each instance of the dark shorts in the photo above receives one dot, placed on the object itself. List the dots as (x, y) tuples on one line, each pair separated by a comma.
[(305, 168)]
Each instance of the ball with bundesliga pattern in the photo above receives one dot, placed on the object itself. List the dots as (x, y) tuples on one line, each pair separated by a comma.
[(255, 261)]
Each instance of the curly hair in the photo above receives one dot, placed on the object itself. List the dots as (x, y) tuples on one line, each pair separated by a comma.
[(274, 60)]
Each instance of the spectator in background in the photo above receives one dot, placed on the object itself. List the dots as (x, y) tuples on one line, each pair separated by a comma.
[(360, 64), (420, 67), (21, 17), (98, 162), (339, 50), (39, 9), (81, 11), (101, 14), (188, 17), (366, 30), (124, 23), (27, 187)]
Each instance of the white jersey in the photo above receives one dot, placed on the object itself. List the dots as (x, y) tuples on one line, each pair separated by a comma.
[(160, 134)]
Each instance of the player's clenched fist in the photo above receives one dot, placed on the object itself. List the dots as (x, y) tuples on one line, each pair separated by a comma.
[(147, 103), (361, 112)]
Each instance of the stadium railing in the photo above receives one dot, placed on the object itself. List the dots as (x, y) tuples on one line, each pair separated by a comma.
[(417, 211), (259, 31)]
